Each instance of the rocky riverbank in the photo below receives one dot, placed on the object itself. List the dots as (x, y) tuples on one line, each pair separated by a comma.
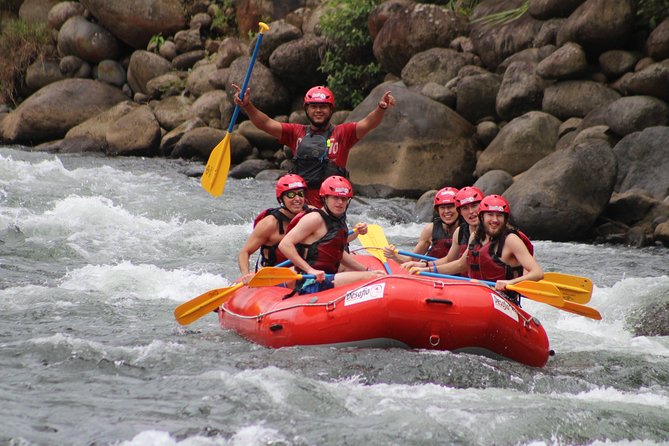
[(563, 110)]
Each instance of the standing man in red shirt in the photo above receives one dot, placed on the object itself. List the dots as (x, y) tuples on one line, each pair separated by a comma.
[(321, 149)]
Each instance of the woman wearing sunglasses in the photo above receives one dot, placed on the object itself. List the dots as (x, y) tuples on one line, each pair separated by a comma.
[(270, 225)]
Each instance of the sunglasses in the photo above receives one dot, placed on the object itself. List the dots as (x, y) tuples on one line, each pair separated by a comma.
[(292, 193)]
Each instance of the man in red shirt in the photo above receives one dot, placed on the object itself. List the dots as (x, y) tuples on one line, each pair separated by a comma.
[(321, 149)]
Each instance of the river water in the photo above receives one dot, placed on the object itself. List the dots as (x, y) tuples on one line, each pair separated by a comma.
[(96, 253)]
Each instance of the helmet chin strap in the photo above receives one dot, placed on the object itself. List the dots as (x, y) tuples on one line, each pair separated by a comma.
[(327, 209)]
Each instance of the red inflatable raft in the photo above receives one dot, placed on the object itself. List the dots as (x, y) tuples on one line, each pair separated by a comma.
[(397, 310)]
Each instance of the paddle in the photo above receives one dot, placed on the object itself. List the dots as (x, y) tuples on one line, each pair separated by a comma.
[(374, 241), (205, 303), (581, 310), (271, 276), (216, 172), (540, 292), (574, 288)]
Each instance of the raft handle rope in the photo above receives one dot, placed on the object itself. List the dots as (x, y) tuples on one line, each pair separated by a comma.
[(332, 304)]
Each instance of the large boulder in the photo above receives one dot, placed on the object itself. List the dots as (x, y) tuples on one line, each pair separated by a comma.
[(643, 162), (599, 25), (420, 145), (297, 62), (560, 198), (476, 96), (495, 43), (520, 144), (438, 65), (416, 28), (651, 80), (143, 67), (521, 90), (36, 11), (54, 109), (657, 44), (634, 113), (135, 22), (279, 32), (88, 41), (63, 11), (249, 12), (268, 93), (576, 98), (136, 133), (95, 128)]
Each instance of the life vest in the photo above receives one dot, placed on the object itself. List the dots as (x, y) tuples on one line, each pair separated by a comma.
[(441, 241), (484, 262), (463, 238), (311, 158), (270, 254), (326, 253)]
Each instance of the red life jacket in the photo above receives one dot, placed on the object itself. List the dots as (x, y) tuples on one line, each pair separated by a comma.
[(441, 241), (484, 262), (326, 253), (270, 254), (463, 238)]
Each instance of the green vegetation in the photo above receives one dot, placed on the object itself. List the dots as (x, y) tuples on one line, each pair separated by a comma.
[(651, 12), (224, 21), (503, 17), (21, 43), (349, 62), (156, 41)]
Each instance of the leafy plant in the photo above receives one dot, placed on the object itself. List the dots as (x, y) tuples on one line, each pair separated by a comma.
[(156, 41), (504, 17), (651, 12), (348, 61), (224, 19), (21, 43)]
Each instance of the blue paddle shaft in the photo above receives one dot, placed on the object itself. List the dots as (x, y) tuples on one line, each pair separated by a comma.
[(446, 276), (247, 78), (413, 254)]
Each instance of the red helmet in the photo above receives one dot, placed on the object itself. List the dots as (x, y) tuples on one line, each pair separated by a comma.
[(319, 95), (445, 196), (467, 195), (289, 182), (494, 203), (336, 186)]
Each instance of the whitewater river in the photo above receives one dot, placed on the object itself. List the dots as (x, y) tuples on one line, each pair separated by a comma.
[(96, 253)]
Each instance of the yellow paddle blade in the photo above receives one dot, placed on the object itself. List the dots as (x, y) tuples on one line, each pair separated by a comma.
[(273, 276), (216, 173), (574, 288), (581, 310), (374, 241), (540, 292), (195, 308)]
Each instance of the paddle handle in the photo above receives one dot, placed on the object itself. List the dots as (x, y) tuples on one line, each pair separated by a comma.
[(446, 276), (247, 77), (413, 254)]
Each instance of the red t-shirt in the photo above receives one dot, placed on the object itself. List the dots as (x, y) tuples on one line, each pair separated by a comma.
[(342, 139)]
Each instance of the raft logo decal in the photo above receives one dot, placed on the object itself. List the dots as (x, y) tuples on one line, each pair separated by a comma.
[(504, 306), (369, 292)]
